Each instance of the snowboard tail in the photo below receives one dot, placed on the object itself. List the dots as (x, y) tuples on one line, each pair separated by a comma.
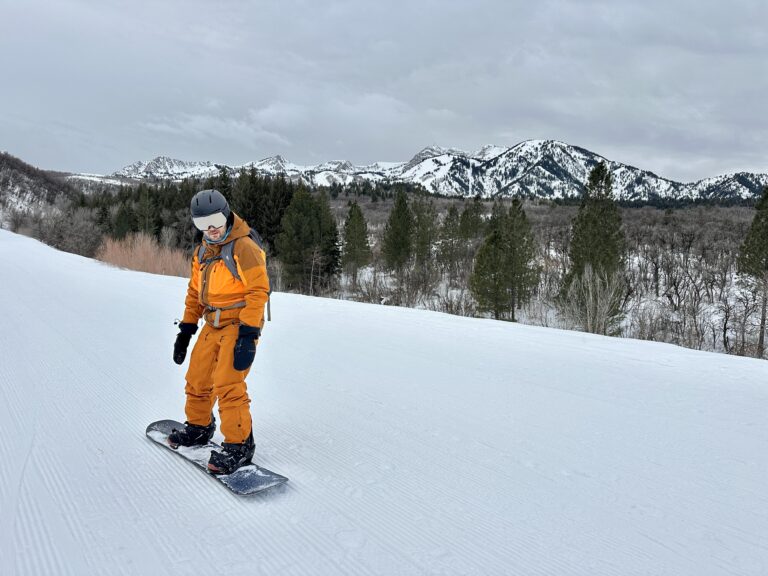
[(244, 481)]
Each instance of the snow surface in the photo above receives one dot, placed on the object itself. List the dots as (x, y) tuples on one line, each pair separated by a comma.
[(415, 442)]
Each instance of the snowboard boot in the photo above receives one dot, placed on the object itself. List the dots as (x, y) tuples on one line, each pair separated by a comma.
[(231, 456), (192, 434)]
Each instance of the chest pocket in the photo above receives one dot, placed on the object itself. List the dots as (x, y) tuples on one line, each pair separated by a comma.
[(221, 284), (221, 291)]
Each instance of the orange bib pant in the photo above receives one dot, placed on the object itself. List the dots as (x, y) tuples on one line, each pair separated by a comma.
[(211, 375)]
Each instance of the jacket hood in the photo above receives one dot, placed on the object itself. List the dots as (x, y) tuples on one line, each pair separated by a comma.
[(240, 228)]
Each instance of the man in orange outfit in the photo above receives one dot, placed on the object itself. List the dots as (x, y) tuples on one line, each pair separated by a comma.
[(229, 288)]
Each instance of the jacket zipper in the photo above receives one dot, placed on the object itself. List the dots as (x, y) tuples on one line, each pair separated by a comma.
[(206, 275)]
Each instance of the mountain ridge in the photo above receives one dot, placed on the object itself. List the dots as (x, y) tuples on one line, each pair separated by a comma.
[(548, 169), (537, 169)]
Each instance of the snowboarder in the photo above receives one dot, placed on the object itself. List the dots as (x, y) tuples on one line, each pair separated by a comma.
[(228, 288)]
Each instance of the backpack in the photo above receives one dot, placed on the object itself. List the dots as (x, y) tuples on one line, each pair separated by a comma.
[(227, 254)]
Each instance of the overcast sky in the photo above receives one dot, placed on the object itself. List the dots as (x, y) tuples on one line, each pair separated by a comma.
[(675, 86)]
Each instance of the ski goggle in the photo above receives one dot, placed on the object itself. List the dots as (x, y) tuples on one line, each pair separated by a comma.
[(216, 220)]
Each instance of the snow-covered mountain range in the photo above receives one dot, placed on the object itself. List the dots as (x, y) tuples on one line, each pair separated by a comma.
[(534, 168)]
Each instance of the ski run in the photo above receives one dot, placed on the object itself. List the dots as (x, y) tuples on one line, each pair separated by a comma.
[(416, 443)]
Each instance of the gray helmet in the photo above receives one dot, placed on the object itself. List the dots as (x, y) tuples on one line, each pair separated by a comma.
[(207, 202)]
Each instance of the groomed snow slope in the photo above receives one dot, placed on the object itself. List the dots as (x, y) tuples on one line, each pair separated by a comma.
[(416, 443)]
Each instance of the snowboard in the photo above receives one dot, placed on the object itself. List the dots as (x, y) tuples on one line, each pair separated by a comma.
[(244, 481)]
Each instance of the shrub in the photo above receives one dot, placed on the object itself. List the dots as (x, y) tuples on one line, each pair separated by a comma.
[(142, 252)]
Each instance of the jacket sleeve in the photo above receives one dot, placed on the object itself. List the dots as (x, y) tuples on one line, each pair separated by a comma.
[(252, 267), (193, 310)]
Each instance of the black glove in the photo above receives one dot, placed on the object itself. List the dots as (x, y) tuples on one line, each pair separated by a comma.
[(245, 347), (186, 329)]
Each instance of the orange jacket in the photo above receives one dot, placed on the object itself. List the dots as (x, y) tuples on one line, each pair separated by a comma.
[(213, 286)]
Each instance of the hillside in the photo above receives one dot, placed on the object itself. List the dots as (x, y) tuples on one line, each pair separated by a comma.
[(24, 187), (416, 442)]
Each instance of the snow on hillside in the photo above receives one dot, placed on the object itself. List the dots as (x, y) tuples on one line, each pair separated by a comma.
[(416, 442)]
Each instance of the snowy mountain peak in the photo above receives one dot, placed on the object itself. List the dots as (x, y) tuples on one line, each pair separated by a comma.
[(432, 152), (342, 166), (488, 152), (164, 167), (276, 164), (533, 168)]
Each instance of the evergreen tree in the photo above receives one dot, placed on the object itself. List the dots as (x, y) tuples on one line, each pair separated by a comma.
[(272, 200), (297, 243), (397, 246), (600, 182), (103, 219), (498, 218), (450, 250), (146, 212), (330, 250), (308, 243), (357, 250), (242, 199), (490, 278), (521, 256), (425, 231), (597, 240), (224, 182), (125, 221), (186, 192), (505, 274), (597, 245), (753, 261), (472, 219)]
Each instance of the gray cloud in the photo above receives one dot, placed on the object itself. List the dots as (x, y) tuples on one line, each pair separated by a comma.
[(675, 87)]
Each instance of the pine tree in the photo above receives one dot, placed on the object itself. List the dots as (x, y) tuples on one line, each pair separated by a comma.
[(273, 199), (425, 231), (242, 198), (224, 182), (598, 240), (505, 274), (597, 246), (600, 182), (357, 250), (397, 245), (125, 221), (425, 274), (498, 218), (753, 261), (472, 219), (328, 241), (521, 254), (450, 249), (297, 243), (489, 281), (146, 213), (103, 219), (308, 244)]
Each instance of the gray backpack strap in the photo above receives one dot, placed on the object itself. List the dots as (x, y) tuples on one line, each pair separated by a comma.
[(200, 253), (227, 254), (256, 237)]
